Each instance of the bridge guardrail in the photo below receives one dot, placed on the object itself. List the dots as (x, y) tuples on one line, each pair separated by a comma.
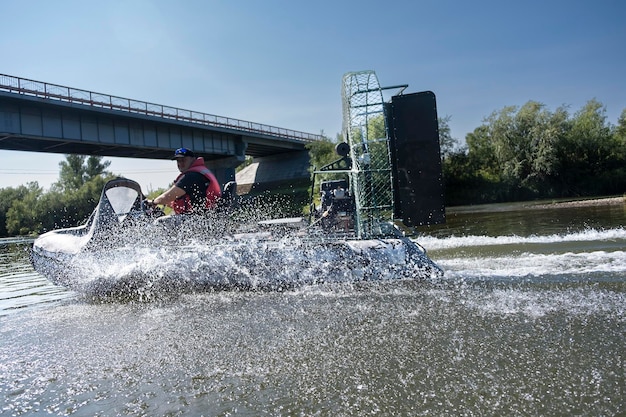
[(42, 89)]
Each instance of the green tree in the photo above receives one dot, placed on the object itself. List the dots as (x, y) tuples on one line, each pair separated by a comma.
[(511, 137), (518, 147), (76, 170), (7, 197), (57, 209), (95, 167), (447, 143), (321, 152), (21, 217), (620, 135), (376, 128), (586, 150), (528, 152), (482, 154), (547, 133), (71, 176)]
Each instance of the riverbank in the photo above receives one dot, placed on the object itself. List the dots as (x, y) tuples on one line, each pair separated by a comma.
[(583, 203), (537, 205)]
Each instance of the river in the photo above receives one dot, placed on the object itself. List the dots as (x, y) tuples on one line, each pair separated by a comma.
[(528, 320)]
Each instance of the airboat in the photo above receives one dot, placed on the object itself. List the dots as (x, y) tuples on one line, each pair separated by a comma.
[(386, 181)]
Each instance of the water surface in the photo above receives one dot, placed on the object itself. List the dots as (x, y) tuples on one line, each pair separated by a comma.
[(527, 320)]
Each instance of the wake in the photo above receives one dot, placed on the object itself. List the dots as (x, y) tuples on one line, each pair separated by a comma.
[(589, 235)]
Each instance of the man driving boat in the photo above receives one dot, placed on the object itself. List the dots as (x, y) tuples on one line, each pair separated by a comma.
[(195, 190)]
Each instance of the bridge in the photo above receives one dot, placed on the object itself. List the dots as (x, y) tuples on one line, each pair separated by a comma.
[(42, 117)]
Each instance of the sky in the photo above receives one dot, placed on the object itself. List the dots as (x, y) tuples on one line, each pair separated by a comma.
[(280, 62)]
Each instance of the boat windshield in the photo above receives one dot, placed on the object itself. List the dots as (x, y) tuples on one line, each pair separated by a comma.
[(122, 200)]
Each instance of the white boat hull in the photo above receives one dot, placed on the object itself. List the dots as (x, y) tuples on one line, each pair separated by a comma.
[(234, 263)]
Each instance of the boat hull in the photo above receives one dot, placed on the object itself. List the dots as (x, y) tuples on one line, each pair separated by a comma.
[(247, 262)]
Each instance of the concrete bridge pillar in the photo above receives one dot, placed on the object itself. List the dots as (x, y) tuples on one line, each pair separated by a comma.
[(224, 169), (266, 172)]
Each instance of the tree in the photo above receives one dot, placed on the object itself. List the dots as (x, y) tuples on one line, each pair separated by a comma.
[(95, 167), (481, 153), (71, 174), (510, 136), (7, 197), (620, 134), (519, 147), (321, 152), (586, 150), (76, 170), (376, 128), (447, 143), (547, 134), (21, 217)]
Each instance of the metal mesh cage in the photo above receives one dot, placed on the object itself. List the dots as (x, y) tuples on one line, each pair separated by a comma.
[(365, 131)]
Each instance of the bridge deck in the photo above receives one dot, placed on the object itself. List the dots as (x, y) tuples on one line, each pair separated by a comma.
[(65, 94)]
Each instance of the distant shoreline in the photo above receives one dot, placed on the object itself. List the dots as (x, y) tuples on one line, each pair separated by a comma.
[(583, 203), (538, 205)]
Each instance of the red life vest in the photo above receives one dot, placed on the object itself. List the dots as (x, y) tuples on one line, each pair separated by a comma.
[(213, 191)]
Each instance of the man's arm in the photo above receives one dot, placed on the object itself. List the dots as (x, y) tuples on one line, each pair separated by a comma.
[(170, 195)]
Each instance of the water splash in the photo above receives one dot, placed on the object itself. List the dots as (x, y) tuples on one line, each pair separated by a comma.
[(589, 235), (236, 262), (589, 256), (611, 265)]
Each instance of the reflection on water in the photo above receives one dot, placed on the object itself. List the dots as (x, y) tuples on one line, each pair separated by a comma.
[(526, 321), (20, 286), (522, 219)]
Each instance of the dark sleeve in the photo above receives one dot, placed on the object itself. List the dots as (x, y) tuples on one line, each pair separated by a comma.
[(194, 184)]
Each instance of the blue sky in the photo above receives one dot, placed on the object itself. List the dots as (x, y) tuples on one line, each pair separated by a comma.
[(281, 62)]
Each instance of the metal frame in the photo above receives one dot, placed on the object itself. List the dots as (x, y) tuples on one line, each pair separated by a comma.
[(371, 173)]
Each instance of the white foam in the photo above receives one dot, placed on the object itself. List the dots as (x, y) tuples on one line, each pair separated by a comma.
[(434, 243), (529, 264)]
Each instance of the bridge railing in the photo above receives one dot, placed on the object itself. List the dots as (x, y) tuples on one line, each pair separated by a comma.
[(45, 90)]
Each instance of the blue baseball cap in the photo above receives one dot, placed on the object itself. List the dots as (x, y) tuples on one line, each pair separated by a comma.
[(182, 152)]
